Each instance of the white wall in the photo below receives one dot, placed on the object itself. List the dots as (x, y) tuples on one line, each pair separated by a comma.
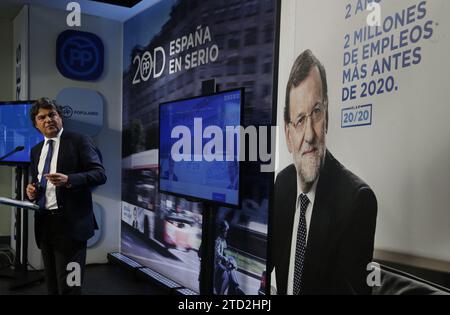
[(45, 80), (404, 155), (286, 56), (6, 60), (6, 73)]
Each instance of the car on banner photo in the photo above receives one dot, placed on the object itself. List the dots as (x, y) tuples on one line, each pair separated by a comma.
[(179, 231), (181, 223)]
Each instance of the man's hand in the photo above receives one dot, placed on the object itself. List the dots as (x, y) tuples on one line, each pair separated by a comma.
[(31, 192), (57, 179)]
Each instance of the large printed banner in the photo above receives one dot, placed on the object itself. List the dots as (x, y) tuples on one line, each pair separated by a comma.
[(384, 116), (168, 51)]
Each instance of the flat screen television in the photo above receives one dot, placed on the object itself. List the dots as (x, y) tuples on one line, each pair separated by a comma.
[(199, 148), (17, 132)]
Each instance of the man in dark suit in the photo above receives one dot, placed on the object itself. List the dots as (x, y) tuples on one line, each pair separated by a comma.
[(325, 216), (63, 168)]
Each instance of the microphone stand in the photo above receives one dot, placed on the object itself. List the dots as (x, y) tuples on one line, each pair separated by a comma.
[(17, 149), (21, 275)]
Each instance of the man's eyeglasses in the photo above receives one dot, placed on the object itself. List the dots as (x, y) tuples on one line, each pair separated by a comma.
[(316, 116), (51, 115)]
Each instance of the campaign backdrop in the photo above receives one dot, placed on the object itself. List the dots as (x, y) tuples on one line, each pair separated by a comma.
[(169, 50), (387, 71)]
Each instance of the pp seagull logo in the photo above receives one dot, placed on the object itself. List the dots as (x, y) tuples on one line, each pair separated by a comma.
[(67, 112), (80, 55)]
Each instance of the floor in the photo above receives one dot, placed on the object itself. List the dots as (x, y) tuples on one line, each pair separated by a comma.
[(99, 280), (111, 279)]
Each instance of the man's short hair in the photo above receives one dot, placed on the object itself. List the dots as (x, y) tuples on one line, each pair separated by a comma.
[(44, 103), (299, 72)]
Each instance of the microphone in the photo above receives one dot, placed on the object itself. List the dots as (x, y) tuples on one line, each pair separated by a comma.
[(17, 149)]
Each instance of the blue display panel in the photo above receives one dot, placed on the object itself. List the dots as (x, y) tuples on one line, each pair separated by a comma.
[(199, 147), (16, 130)]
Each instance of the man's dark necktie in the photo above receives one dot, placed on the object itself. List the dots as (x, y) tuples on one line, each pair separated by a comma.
[(300, 247), (46, 170)]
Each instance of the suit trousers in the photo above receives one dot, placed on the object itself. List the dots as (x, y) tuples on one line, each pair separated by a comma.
[(64, 258)]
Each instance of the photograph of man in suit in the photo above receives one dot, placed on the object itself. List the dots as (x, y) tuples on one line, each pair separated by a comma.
[(324, 216), (64, 167)]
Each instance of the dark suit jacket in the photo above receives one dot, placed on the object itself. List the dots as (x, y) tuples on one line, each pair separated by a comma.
[(341, 232), (78, 158)]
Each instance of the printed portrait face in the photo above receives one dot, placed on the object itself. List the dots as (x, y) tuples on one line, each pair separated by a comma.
[(305, 133)]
